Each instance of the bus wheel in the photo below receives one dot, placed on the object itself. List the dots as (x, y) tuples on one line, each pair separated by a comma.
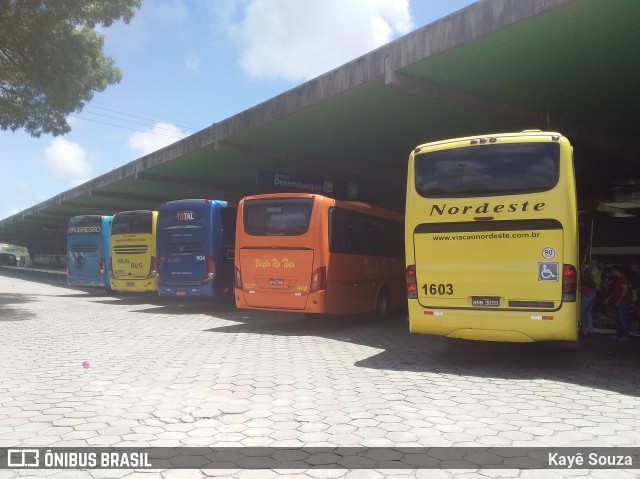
[(382, 304)]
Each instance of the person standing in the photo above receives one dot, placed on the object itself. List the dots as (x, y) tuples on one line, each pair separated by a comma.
[(622, 298), (596, 276), (587, 300), (634, 279)]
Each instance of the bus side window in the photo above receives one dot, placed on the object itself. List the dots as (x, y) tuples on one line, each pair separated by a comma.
[(341, 230), (348, 238)]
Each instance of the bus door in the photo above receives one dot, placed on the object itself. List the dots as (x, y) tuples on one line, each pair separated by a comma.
[(276, 264), (512, 264)]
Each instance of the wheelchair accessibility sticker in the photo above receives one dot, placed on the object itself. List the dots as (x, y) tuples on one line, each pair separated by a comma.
[(548, 271)]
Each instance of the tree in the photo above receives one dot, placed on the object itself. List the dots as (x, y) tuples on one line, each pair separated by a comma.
[(51, 59)]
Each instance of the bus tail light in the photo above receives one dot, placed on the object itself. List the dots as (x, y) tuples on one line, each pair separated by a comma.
[(569, 283), (156, 273), (237, 279), (412, 285), (318, 280), (103, 266), (211, 270), (111, 273), (152, 268)]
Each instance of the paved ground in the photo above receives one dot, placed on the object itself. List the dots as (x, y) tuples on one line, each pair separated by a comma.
[(84, 369)]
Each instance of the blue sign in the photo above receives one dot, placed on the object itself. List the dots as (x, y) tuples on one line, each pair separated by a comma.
[(548, 271)]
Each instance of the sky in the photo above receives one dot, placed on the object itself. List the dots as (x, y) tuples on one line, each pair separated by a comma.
[(189, 63)]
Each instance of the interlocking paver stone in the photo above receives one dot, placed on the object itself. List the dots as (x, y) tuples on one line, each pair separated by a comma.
[(169, 374)]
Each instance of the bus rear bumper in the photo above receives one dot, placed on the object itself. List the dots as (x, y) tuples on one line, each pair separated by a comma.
[(285, 301), (186, 291), (134, 285), (83, 282), (506, 326)]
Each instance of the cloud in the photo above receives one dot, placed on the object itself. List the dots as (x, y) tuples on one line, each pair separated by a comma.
[(294, 40), (161, 135), (134, 38), (192, 63), (67, 160)]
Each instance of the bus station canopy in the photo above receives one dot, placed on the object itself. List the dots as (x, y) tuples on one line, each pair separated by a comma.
[(497, 65)]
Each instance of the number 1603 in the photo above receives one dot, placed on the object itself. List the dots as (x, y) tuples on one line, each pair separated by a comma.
[(435, 289)]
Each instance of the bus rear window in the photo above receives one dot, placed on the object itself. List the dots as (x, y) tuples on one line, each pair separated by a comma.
[(132, 223), (281, 217), (488, 170)]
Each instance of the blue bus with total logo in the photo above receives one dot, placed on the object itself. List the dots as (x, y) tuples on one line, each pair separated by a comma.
[(88, 260), (195, 242)]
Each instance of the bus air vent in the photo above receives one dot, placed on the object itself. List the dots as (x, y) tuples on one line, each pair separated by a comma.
[(531, 304), (84, 248)]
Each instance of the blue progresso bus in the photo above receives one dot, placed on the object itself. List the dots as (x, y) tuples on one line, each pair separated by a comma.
[(195, 243), (88, 251)]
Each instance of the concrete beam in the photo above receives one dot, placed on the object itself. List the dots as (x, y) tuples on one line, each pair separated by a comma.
[(626, 148), (475, 21), (307, 162)]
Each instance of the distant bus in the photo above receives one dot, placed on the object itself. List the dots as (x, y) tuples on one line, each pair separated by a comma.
[(313, 254), (133, 251), (88, 239), (195, 244), (492, 238)]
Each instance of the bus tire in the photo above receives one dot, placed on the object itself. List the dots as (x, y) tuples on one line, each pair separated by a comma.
[(383, 307)]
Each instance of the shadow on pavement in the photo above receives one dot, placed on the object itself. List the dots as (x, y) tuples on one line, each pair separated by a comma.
[(13, 313), (51, 278), (600, 362), (194, 306)]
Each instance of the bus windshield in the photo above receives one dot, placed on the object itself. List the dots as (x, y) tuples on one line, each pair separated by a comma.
[(281, 217), (488, 170), (132, 222)]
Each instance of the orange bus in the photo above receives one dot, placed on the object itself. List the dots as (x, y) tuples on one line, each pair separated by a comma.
[(312, 254)]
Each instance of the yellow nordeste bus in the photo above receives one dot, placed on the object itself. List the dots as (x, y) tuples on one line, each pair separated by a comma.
[(491, 238), (133, 251)]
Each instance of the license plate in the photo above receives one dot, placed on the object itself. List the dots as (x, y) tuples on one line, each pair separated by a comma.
[(181, 293), (484, 301), (129, 284)]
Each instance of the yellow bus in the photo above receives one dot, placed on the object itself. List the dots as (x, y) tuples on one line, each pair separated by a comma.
[(133, 251), (491, 238)]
